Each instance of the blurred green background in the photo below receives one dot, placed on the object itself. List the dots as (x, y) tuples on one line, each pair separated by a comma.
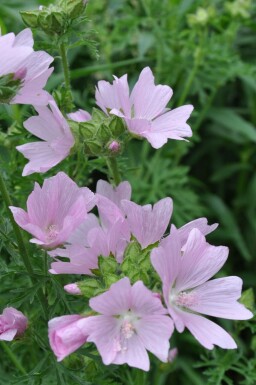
[(206, 51)]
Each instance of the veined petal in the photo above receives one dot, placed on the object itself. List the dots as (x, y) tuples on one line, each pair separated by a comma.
[(218, 298), (155, 331), (115, 301), (199, 262), (147, 99), (207, 332)]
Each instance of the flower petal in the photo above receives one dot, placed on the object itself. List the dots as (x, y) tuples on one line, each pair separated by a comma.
[(218, 298)]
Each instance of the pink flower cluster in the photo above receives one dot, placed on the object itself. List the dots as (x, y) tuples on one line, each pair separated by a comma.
[(144, 113), (129, 318)]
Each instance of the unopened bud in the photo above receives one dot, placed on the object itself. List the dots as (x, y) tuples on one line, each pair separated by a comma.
[(114, 146), (172, 354), (72, 288)]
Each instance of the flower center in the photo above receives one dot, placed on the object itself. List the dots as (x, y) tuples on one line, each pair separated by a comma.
[(51, 232), (184, 299), (127, 330)]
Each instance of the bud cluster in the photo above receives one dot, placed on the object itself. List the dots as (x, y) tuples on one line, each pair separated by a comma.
[(55, 18)]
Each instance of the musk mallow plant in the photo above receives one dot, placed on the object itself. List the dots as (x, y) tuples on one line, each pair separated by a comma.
[(136, 276)]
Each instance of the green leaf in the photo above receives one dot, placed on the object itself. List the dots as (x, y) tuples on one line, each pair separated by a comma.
[(233, 123)]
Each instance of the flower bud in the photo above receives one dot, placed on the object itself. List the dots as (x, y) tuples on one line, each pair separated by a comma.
[(172, 354), (114, 147), (72, 288), (13, 323), (67, 334)]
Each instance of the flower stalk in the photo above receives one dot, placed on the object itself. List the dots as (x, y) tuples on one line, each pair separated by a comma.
[(69, 97), (113, 169), (13, 357)]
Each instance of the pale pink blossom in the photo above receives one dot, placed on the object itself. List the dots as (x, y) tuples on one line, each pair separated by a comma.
[(94, 237), (30, 67), (144, 110), (57, 139), (185, 271), (54, 210), (80, 116), (72, 288), (67, 334), (94, 242), (148, 224), (131, 321), (82, 259), (13, 323)]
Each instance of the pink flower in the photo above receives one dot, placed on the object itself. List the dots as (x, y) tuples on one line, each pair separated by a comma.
[(148, 224), (95, 241), (93, 237), (132, 321), (57, 139), (72, 288), (12, 324), (185, 273), (80, 116), (67, 334), (144, 110), (32, 68), (54, 210)]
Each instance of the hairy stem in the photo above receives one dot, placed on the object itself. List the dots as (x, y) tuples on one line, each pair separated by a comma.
[(113, 168), (13, 358), (69, 97), (20, 242)]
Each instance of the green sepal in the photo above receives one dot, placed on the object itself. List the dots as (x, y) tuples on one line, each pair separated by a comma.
[(116, 126), (8, 87), (30, 18), (90, 287), (136, 264), (107, 265), (247, 299), (73, 8)]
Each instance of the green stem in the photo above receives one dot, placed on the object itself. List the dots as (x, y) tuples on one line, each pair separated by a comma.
[(65, 65), (188, 84), (13, 358), (20, 242), (204, 111), (113, 168)]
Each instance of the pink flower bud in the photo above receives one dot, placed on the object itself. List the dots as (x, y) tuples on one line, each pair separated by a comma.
[(72, 288), (67, 334), (12, 324), (172, 354), (114, 146), (157, 295)]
